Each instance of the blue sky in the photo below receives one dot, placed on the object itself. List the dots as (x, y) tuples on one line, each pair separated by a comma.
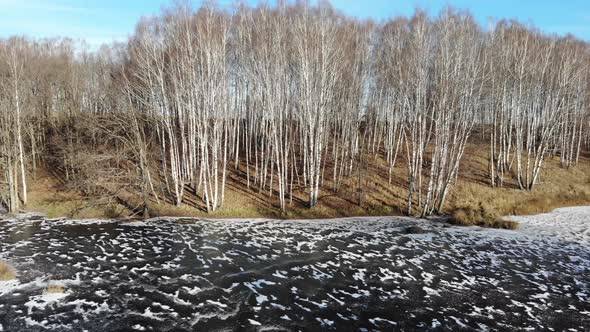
[(99, 21)]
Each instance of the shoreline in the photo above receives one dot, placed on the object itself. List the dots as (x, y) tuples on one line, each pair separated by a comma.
[(27, 215)]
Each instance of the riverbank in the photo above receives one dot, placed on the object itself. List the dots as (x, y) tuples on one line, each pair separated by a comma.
[(559, 187)]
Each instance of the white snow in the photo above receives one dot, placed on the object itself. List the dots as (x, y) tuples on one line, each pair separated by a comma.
[(43, 300), (219, 304), (569, 224), (255, 323), (260, 299)]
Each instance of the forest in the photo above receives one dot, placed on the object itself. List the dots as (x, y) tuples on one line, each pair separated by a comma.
[(297, 101)]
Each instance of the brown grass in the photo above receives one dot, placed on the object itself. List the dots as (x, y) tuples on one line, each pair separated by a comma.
[(49, 196), (468, 216), (558, 187), (113, 211), (54, 289), (7, 272)]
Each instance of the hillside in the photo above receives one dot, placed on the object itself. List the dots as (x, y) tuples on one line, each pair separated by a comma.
[(558, 187)]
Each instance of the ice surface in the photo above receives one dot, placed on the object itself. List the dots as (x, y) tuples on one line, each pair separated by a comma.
[(342, 274), (568, 224)]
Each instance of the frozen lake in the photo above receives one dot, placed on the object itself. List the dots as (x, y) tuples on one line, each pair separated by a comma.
[(357, 274)]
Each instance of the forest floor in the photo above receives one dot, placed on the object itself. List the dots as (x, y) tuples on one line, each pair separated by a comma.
[(558, 187)]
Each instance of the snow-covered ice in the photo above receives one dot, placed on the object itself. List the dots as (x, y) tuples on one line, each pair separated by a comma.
[(344, 274), (568, 224)]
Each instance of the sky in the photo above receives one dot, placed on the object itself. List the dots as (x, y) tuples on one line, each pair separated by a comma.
[(104, 21)]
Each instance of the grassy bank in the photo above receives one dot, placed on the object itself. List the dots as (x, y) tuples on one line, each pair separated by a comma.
[(472, 198)]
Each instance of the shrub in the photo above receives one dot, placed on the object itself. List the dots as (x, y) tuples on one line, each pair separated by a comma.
[(7, 272), (469, 216), (54, 289), (111, 212)]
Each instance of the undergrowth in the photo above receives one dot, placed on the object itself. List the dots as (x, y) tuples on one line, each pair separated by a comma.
[(480, 216), (54, 289), (7, 272)]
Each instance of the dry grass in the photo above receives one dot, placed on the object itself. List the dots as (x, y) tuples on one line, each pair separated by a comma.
[(7, 272), (468, 216), (112, 211), (54, 289), (51, 198), (559, 187)]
